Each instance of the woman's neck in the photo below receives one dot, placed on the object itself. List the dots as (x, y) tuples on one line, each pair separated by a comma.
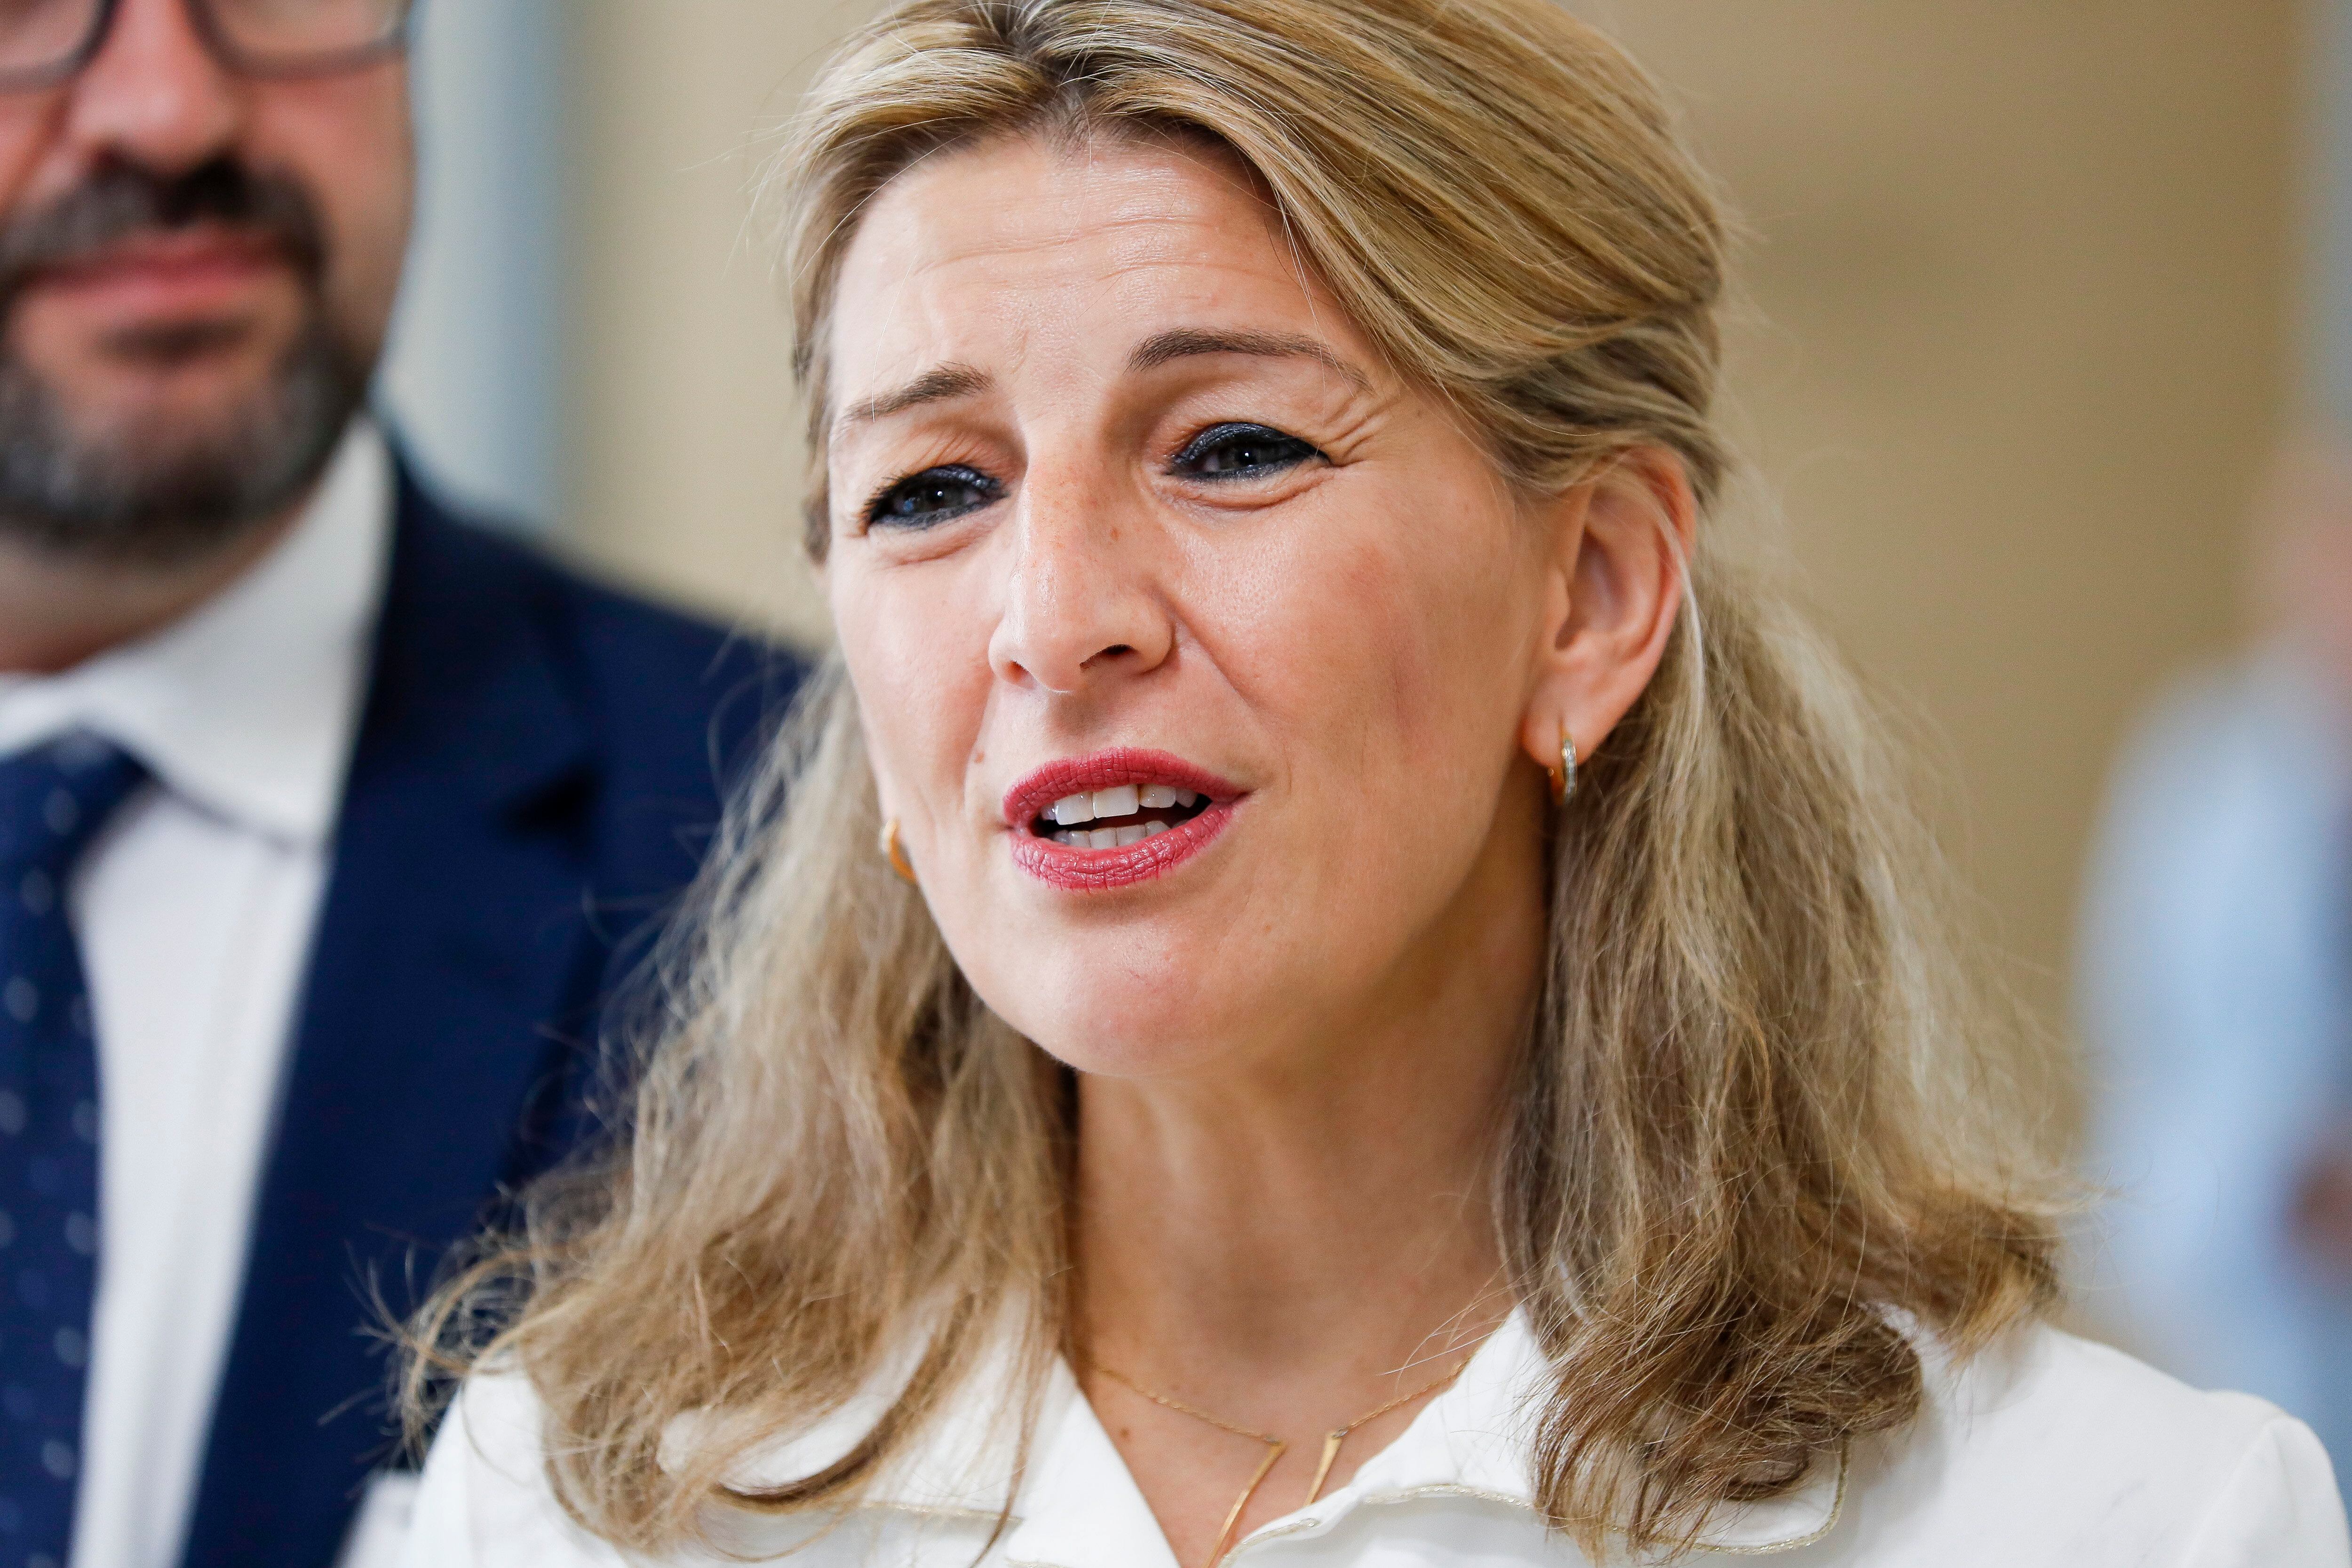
[(1249, 1235), (1304, 1237), (1284, 1263)]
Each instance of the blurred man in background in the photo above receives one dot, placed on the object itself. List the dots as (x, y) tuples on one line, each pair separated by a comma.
[(320, 809), (2216, 995)]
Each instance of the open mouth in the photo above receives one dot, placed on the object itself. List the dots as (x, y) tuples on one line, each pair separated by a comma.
[(1116, 818)]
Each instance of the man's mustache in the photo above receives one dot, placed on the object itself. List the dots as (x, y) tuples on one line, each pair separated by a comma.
[(122, 201)]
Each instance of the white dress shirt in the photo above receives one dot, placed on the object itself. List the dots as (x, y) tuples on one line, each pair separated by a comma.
[(195, 910), (2046, 1452)]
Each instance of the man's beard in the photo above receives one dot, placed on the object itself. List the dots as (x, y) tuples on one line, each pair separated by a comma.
[(152, 492)]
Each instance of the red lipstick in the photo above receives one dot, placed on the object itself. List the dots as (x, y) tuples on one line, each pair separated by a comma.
[(1084, 868)]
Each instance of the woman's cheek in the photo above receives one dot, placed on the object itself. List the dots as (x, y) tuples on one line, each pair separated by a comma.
[(1361, 623), (903, 679), (1421, 640)]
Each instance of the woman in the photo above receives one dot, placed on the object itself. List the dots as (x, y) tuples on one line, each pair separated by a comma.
[(1336, 986)]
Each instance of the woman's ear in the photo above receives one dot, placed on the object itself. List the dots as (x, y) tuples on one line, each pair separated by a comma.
[(1618, 568)]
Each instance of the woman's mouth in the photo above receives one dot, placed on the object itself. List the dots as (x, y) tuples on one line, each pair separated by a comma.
[(1116, 818)]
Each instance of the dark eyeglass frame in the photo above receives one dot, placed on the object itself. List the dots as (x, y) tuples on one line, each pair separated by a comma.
[(224, 49)]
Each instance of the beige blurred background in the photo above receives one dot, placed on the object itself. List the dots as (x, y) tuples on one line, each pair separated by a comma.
[(2023, 277)]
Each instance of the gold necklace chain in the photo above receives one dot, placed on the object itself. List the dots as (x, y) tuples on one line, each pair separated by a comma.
[(1333, 1441)]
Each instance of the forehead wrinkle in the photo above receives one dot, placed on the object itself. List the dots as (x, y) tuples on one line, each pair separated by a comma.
[(1137, 232)]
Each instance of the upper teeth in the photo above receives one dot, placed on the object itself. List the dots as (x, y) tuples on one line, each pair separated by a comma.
[(1122, 801)]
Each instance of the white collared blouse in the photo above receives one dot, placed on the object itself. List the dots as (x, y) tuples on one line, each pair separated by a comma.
[(2046, 1452)]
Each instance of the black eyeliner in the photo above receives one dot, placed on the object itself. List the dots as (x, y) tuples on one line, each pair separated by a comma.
[(1216, 435), (872, 513)]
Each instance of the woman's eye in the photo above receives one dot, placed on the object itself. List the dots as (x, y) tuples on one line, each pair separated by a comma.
[(930, 497), (1242, 452)]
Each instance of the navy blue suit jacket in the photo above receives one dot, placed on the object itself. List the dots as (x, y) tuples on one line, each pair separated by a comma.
[(539, 764)]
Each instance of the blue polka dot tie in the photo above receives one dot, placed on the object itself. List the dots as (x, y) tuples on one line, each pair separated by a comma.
[(52, 801)]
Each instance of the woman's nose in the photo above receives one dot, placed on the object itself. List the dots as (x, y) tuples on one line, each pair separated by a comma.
[(1083, 604)]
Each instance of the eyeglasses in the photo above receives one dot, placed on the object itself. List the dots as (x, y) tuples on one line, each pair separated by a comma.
[(45, 42)]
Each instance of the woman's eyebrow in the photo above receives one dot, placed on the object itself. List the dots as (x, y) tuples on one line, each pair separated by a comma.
[(936, 385), (1183, 342)]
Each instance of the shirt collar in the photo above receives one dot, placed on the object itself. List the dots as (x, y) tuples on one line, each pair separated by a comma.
[(246, 705), (1077, 1506)]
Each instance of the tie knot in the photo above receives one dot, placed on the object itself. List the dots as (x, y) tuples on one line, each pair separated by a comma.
[(55, 798)]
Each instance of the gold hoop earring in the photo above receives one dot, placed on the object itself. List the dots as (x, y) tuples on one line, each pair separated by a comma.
[(896, 855), (1563, 772)]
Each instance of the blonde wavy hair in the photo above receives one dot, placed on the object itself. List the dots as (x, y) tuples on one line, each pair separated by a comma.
[(1761, 1129)]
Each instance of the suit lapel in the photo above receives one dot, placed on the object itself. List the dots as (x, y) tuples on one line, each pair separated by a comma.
[(451, 931)]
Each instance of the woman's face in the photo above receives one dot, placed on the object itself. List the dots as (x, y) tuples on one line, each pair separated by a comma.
[(1194, 647)]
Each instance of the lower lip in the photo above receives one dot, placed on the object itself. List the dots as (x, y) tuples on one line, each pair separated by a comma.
[(1076, 870)]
